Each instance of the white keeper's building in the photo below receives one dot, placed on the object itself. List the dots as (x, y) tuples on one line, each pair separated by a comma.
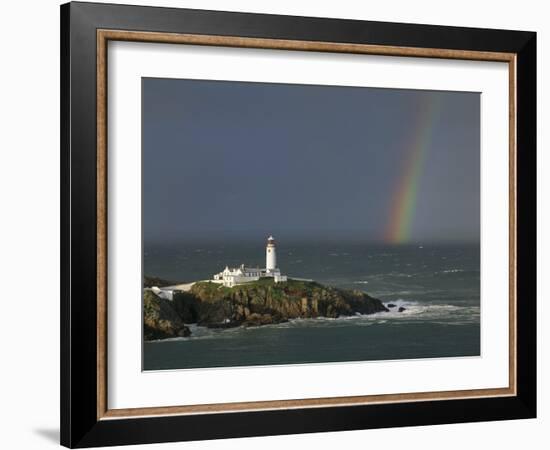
[(232, 276)]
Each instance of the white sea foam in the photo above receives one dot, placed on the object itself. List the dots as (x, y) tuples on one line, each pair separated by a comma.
[(432, 312)]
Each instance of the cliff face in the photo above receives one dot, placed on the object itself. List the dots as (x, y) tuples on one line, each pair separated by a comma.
[(160, 320), (265, 302)]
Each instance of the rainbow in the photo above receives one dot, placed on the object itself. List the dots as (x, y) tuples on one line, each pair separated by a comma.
[(404, 200)]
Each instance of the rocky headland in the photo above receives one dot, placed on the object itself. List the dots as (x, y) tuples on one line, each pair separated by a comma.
[(257, 303)]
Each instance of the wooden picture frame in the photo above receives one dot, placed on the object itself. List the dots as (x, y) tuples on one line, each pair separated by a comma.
[(86, 29)]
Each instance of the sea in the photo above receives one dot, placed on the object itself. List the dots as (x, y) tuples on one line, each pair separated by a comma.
[(437, 284)]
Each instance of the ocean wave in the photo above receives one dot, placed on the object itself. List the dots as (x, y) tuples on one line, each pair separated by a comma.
[(393, 293), (413, 312), (393, 274), (433, 312)]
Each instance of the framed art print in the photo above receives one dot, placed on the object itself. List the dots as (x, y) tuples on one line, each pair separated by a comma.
[(276, 225)]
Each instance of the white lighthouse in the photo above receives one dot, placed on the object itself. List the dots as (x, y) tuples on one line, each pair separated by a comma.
[(270, 255), (230, 277)]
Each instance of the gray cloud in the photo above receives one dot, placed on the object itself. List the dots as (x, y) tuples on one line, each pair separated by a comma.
[(236, 159)]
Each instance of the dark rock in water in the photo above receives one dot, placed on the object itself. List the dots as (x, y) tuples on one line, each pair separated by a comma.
[(184, 332), (401, 309), (222, 325), (160, 320), (255, 320), (391, 305)]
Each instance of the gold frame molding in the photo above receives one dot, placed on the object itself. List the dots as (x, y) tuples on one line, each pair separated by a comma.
[(103, 37)]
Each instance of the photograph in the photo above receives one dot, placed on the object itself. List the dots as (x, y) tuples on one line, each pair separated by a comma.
[(308, 224)]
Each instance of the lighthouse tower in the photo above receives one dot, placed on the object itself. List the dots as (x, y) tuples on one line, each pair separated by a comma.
[(270, 255)]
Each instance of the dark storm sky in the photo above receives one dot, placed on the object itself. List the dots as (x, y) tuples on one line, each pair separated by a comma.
[(224, 159)]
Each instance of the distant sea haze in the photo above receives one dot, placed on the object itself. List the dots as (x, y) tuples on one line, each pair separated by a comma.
[(438, 285), (294, 238)]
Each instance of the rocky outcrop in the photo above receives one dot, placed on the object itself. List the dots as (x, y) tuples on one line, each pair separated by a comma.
[(160, 320), (253, 304), (265, 302), (156, 281)]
